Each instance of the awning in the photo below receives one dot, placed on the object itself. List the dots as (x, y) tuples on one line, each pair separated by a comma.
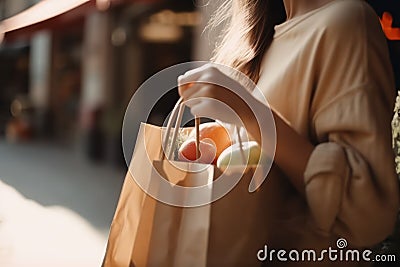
[(49, 14), (45, 14)]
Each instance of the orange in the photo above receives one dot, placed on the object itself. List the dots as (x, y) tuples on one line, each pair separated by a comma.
[(217, 133)]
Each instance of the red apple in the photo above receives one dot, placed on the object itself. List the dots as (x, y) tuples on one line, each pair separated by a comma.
[(187, 151)]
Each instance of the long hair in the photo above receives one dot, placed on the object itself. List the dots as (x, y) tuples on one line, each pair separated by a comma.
[(247, 34)]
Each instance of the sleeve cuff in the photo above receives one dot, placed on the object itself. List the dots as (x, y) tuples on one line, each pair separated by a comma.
[(325, 177), (326, 158)]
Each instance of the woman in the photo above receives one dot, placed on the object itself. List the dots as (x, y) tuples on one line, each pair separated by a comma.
[(324, 68)]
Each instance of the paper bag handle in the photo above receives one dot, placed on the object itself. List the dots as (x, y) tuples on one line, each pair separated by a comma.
[(176, 116), (197, 129)]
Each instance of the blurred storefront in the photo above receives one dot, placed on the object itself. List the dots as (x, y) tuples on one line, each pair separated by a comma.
[(79, 69)]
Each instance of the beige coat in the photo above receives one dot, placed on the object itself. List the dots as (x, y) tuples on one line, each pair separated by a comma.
[(328, 74)]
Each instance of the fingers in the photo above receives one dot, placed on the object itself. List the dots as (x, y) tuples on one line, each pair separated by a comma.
[(191, 89), (201, 91), (207, 91), (202, 74), (190, 77), (214, 109), (194, 74)]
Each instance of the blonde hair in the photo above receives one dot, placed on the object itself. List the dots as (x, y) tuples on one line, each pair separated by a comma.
[(247, 34)]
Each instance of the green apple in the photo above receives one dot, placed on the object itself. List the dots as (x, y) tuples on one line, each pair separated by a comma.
[(249, 155)]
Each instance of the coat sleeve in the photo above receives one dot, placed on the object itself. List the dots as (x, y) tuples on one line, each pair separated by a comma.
[(351, 184)]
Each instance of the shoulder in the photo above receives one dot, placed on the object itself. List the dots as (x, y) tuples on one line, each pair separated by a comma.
[(353, 53), (350, 17), (347, 26)]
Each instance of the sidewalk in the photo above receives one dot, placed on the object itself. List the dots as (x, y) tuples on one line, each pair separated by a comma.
[(55, 206)]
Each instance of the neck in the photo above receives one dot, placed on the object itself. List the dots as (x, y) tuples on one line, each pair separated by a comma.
[(296, 8)]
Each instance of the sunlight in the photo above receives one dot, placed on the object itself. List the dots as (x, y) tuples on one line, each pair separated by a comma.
[(34, 235)]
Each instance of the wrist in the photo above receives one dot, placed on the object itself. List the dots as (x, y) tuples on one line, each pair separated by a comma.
[(260, 124)]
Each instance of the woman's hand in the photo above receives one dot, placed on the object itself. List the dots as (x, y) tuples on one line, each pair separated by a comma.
[(212, 94)]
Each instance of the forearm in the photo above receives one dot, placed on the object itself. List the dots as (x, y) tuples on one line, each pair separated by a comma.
[(292, 150)]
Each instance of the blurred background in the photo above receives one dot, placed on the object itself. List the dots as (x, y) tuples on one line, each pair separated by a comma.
[(67, 72)]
